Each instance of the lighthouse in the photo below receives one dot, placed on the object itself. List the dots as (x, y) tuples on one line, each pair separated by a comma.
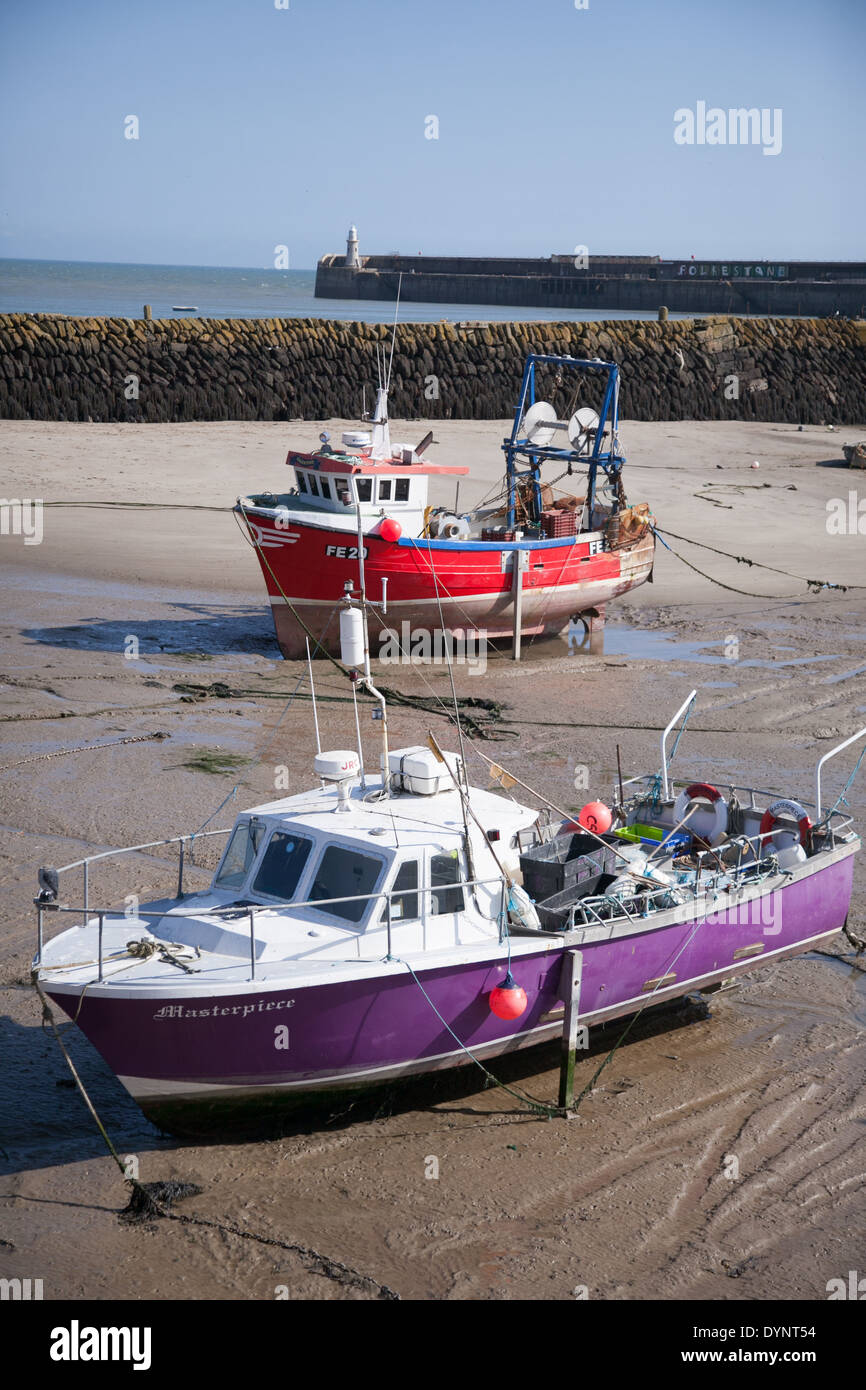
[(353, 260)]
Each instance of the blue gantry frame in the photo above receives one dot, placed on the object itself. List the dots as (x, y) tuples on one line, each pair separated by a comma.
[(518, 450)]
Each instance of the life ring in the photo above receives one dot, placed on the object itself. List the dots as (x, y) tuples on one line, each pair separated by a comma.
[(703, 791), (780, 808)]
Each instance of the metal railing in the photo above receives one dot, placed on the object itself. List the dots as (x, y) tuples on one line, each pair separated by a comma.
[(316, 904), (181, 840), (835, 823)]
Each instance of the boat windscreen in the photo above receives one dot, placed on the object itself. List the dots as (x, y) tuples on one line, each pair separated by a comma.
[(282, 865), (344, 873), (242, 850)]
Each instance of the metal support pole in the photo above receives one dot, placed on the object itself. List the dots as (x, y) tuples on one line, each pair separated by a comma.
[(180, 870), (570, 981), (252, 943), (517, 590), (85, 867), (101, 925), (39, 936), (388, 922)]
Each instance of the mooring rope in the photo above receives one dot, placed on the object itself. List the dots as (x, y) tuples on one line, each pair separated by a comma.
[(814, 585), (151, 1199)]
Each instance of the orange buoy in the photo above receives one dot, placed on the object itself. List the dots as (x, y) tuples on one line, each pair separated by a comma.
[(508, 1000), (390, 530), (596, 816)]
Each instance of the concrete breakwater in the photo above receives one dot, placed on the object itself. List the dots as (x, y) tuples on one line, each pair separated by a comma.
[(557, 285), (808, 371)]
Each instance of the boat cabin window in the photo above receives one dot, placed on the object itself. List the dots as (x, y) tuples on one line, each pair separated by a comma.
[(282, 865), (445, 871), (341, 491), (242, 850), (384, 489), (365, 489), (326, 487), (302, 481), (314, 484), (344, 873), (401, 490), (404, 898)]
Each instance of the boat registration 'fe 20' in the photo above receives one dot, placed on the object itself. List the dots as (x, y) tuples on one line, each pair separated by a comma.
[(379, 927)]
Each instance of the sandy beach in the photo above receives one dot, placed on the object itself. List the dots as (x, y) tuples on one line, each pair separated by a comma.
[(630, 1198)]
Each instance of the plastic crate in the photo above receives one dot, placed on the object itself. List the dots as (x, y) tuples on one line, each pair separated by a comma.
[(653, 835), (496, 533), (554, 914), (563, 862), (558, 523)]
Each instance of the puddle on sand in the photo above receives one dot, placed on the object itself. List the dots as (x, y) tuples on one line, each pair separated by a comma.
[(844, 675), (623, 640)]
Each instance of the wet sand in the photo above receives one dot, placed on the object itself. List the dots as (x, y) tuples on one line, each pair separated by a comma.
[(630, 1198)]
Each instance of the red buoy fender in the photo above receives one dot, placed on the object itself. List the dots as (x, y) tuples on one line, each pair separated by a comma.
[(774, 813)]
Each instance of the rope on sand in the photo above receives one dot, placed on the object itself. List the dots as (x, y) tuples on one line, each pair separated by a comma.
[(814, 585), (150, 1200)]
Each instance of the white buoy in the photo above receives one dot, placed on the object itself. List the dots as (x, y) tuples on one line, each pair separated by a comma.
[(352, 637), (756, 464)]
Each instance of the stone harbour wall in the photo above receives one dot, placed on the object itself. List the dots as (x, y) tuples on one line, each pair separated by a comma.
[(808, 371)]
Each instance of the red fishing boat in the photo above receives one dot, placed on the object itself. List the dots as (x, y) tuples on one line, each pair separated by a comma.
[(532, 562)]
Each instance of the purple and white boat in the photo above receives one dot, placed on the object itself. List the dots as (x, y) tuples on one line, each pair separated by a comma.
[(354, 934)]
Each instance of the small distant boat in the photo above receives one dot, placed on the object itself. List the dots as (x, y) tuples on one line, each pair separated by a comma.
[(184, 308)]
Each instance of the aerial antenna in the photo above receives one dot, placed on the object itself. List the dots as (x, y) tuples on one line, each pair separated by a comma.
[(394, 332)]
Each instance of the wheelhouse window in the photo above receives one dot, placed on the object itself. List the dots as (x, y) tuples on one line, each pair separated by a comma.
[(365, 489), (401, 489), (326, 487), (242, 850), (384, 489), (314, 485), (344, 873), (404, 895), (341, 491), (444, 873), (302, 481), (282, 865)]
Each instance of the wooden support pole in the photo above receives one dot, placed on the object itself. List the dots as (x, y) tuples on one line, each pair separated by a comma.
[(570, 980)]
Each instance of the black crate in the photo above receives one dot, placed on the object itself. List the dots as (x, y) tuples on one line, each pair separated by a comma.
[(555, 912), (562, 862)]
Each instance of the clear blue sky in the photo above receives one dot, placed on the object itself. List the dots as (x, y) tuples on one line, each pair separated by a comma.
[(261, 127)]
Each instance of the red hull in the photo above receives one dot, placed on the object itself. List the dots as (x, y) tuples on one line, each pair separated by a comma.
[(306, 568)]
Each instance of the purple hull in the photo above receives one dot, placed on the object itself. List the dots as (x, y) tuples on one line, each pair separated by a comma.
[(169, 1051)]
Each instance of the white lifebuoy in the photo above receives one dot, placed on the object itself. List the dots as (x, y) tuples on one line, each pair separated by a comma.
[(793, 811), (713, 831)]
